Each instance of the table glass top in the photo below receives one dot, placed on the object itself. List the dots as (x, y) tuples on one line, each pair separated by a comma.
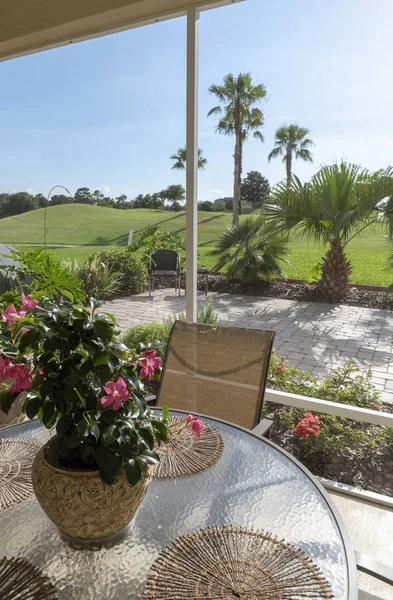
[(252, 485)]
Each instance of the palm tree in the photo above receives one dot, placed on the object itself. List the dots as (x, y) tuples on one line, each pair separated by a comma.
[(238, 117), (290, 140), (250, 250), (336, 205), (180, 159)]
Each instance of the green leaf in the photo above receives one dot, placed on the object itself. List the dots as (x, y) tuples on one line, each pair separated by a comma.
[(165, 412), (83, 428), (149, 457), (67, 294), (110, 435), (64, 424), (49, 414), (147, 437), (103, 330), (100, 359), (95, 430), (32, 406), (6, 400), (27, 341), (133, 471)]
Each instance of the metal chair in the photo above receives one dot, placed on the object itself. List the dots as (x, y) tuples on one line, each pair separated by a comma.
[(217, 371), (164, 263)]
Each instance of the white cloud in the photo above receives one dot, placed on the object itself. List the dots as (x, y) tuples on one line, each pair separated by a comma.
[(105, 189), (215, 191)]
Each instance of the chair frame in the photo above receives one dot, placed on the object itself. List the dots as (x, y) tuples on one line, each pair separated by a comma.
[(260, 427), (176, 274)]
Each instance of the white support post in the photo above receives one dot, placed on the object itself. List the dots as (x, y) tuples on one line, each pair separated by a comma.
[(192, 162)]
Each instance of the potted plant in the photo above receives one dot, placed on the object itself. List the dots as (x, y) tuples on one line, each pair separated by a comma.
[(91, 477)]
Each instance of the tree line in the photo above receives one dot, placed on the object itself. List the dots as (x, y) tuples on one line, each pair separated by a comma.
[(21, 202)]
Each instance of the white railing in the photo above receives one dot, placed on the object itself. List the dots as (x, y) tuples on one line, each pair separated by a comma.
[(355, 413)]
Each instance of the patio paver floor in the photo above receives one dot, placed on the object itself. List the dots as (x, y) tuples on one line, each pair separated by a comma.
[(315, 337)]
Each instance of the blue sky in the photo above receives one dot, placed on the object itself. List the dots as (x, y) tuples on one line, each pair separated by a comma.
[(107, 113)]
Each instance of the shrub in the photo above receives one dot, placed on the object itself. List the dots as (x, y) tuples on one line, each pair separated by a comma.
[(248, 250), (97, 280), (155, 237), (336, 437), (156, 334), (42, 275), (152, 334), (129, 267)]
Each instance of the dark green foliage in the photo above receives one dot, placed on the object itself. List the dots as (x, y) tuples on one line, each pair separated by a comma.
[(180, 158), (255, 189), (43, 275), (338, 437), (155, 237), (75, 352), (97, 279), (249, 250), (130, 269), (206, 205)]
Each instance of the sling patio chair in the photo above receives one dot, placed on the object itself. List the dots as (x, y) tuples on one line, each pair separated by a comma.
[(164, 263), (217, 371)]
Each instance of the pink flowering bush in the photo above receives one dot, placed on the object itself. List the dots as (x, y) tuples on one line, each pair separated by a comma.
[(84, 382), (309, 425)]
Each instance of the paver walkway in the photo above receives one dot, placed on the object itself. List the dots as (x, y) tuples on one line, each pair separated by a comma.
[(314, 337)]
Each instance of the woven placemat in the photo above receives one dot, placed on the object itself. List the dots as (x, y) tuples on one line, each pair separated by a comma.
[(185, 454), (20, 580), (16, 459), (234, 563)]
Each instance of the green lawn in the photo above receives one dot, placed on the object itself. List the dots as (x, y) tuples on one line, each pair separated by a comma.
[(107, 229)]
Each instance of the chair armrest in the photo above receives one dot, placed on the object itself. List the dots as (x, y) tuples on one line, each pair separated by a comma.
[(262, 428), (151, 400), (373, 567)]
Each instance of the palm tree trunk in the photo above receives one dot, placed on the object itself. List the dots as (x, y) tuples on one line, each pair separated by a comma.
[(237, 172), (335, 271), (288, 164)]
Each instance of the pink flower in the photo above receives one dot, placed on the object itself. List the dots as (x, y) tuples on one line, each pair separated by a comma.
[(197, 427), (283, 412), (375, 405), (284, 358), (280, 368), (27, 302), (17, 377), (150, 363), (191, 418), (10, 315), (307, 426), (116, 393), (21, 376)]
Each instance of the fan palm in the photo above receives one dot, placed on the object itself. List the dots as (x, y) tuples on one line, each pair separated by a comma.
[(338, 203), (249, 250), (180, 159), (291, 140), (239, 117)]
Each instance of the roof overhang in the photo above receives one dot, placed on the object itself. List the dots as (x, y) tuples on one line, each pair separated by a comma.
[(30, 26)]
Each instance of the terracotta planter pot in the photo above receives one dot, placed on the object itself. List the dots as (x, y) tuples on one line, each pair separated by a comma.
[(81, 505)]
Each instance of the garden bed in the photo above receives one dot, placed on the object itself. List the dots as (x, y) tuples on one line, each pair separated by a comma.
[(350, 452), (356, 296)]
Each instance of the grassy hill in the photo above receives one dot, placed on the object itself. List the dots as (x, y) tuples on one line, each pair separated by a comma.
[(83, 224), (108, 228)]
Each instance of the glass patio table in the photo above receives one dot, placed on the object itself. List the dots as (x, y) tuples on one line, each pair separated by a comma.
[(254, 484)]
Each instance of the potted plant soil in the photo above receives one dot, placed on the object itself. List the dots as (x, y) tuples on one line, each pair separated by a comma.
[(93, 474)]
